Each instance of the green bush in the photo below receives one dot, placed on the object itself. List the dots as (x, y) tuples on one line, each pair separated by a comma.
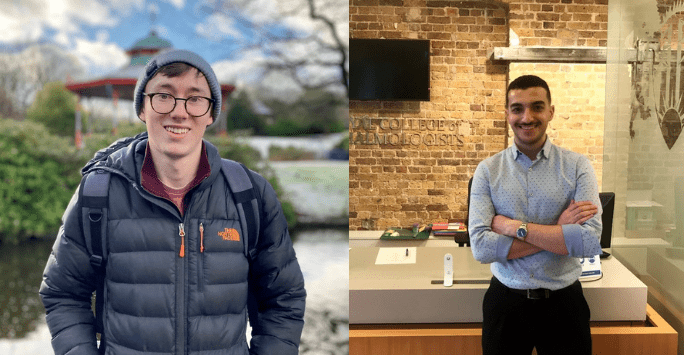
[(230, 149), (276, 153), (38, 174), (55, 108), (292, 127), (97, 141), (242, 117), (315, 112)]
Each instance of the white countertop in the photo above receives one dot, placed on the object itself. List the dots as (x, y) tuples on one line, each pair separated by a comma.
[(405, 293)]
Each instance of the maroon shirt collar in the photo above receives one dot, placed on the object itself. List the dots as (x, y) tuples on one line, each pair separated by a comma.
[(150, 181)]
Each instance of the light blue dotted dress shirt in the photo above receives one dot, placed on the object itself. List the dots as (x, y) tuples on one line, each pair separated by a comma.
[(512, 185)]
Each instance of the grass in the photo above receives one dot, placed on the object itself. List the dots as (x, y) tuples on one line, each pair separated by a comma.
[(334, 177)]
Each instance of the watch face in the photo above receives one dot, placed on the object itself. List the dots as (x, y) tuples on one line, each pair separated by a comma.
[(522, 233)]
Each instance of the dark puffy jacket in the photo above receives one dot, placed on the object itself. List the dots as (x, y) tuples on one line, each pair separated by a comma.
[(157, 302)]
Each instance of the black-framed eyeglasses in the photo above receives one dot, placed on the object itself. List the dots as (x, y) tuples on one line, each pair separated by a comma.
[(164, 103)]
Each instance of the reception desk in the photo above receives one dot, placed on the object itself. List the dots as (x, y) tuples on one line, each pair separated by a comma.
[(405, 309)]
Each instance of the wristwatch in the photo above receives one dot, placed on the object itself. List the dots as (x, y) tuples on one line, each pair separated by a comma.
[(521, 233)]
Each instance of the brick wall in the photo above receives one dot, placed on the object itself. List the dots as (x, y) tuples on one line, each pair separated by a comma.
[(558, 23), (411, 161)]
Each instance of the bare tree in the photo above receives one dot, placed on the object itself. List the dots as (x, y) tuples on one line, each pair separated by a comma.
[(302, 53), (6, 105), (24, 73)]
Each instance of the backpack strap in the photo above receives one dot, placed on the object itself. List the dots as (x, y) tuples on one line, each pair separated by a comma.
[(247, 200), (94, 199)]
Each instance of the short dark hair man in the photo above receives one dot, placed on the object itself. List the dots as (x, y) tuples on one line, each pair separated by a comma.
[(177, 275), (525, 221)]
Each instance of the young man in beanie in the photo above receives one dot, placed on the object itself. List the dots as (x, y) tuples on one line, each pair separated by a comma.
[(533, 214), (177, 278)]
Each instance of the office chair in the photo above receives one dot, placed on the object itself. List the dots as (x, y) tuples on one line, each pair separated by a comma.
[(461, 240)]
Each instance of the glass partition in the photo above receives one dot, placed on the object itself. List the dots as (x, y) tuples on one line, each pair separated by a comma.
[(643, 159)]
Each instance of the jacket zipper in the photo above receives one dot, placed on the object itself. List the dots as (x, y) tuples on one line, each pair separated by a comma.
[(201, 229), (181, 296), (200, 260), (181, 232)]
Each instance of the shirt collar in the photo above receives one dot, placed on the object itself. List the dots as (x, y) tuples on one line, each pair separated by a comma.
[(150, 181), (543, 153)]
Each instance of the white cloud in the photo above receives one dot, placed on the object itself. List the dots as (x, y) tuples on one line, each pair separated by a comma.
[(67, 14), (102, 36), (28, 20), (262, 11), (99, 57), (217, 27), (179, 4), (15, 28), (281, 86), (162, 31), (244, 70), (153, 9), (248, 71), (63, 39), (125, 7)]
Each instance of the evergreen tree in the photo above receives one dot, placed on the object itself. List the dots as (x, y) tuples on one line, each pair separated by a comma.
[(55, 108)]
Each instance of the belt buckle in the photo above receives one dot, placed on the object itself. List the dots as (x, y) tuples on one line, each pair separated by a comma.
[(533, 295)]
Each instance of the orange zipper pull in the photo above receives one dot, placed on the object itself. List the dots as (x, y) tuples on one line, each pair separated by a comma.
[(201, 238), (181, 232)]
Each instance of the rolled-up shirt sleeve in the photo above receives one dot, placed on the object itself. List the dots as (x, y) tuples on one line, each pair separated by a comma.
[(584, 240), (487, 246)]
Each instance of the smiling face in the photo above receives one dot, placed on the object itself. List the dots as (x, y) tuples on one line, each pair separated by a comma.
[(176, 135), (529, 113)]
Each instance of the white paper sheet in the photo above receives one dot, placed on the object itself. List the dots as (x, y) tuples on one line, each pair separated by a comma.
[(396, 256)]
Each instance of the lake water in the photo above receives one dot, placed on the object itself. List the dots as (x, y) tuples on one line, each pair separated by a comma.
[(323, 256)]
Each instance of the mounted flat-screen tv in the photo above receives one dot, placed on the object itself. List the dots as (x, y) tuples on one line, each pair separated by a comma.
[(389, 69)]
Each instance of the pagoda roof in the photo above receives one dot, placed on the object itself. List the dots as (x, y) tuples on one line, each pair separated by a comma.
[(122, 81), (152, 41), (123, 86)]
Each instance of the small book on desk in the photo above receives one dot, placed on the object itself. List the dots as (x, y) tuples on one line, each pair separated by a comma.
[(448, 229)]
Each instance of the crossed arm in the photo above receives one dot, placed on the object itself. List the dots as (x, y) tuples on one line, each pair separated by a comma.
[(543, 237)]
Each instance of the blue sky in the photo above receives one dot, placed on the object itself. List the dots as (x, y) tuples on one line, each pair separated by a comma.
[(98, 33)]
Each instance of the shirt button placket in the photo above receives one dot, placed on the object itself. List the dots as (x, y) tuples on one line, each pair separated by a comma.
[(529, 172)]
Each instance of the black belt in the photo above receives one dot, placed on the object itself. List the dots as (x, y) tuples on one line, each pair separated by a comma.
[(533, 294)]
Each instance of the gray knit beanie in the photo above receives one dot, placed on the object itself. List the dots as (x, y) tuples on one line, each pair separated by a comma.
[(174, 56)]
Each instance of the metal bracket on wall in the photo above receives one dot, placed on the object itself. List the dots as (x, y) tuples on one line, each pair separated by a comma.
[(549, 54), (577, 55)]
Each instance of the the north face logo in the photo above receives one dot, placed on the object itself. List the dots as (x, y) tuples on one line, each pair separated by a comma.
[(230, 234)]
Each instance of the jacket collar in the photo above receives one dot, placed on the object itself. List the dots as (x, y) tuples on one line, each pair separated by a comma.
[(151, 182), (127, 156)]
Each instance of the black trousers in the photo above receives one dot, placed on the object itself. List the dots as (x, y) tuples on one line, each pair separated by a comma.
[(514, 324)]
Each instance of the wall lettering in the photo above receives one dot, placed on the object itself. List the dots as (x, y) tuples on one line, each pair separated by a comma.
[(406, 131)]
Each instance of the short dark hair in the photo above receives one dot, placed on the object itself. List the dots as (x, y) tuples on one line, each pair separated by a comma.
[(177, 69), (526, 82)]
